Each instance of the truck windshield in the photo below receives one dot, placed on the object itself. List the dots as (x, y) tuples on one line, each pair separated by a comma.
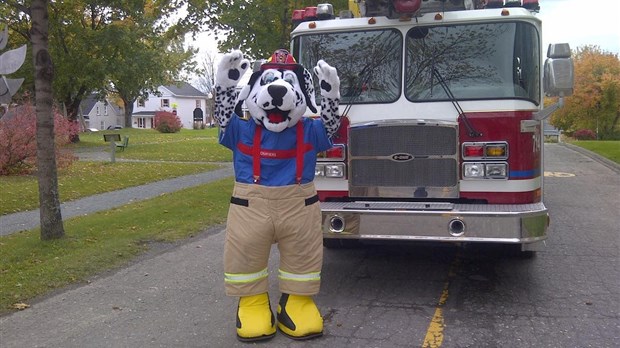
[(369, 62), (477, 61)]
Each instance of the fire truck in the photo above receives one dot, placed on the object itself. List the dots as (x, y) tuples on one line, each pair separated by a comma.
[(442, 109)]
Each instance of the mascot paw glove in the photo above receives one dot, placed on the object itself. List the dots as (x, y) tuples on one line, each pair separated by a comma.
[(328, 80), (231, 68)]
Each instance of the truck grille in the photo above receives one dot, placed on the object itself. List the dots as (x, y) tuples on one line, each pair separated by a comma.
[(404, 159)]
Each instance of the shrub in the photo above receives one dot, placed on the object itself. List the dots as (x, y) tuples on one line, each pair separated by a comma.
[(584, 134), (167, 122), (18, 143)]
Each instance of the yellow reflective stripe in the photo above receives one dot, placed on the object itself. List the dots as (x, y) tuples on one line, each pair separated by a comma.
[(245, 278), (307, 277)]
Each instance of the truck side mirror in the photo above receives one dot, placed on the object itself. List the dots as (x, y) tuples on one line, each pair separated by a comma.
[(559, 71)]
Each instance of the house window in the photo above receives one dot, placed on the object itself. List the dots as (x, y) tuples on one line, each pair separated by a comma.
[(105, 109), (140, 103), (165, 103), (102, 125), (198, 103), (141, 122), (97, 109)]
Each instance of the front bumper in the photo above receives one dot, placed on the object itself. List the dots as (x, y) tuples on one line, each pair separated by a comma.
[(500, 223)]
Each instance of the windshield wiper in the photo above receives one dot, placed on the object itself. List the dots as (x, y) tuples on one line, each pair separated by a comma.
[(470, 129)]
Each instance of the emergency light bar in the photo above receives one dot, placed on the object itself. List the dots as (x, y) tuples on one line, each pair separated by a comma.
[(531, 5), (375, 8)]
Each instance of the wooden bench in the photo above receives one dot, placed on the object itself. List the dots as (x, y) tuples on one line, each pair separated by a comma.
[(123, 144), (111, 137), (116, 138)]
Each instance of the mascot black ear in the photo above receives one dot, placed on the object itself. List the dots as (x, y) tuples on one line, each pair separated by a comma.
[(307, 86), (245, 92)]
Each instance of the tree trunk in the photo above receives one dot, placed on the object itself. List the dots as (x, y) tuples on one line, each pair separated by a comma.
[(128, 104), (49, 202), (73, 112)]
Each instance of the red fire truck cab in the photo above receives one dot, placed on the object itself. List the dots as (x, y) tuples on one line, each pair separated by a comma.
[(442, 105)]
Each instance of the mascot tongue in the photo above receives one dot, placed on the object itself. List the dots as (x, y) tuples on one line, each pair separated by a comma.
[(276, 116)]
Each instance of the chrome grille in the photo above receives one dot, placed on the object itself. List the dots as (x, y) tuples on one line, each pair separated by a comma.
[(404, 159)]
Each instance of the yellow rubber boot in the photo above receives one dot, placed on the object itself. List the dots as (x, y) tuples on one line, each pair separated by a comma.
[(255, 320), (299, 318)]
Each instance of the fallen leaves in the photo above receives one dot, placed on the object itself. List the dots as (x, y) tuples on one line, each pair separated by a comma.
[(21, 306)]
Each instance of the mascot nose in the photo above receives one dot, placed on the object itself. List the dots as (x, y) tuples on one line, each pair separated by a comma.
[(277, 92)]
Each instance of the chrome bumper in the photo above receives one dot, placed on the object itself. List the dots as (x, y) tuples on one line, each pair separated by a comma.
[(502, 223)]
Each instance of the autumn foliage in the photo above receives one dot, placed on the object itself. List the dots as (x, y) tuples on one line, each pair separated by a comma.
[(595, 103), (18, 145), (167, 122), (584, 134)]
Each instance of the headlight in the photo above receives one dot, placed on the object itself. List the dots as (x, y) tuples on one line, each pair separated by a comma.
[(334, 170), (319, 170), (473, 170), (496, 170), (479, 170)]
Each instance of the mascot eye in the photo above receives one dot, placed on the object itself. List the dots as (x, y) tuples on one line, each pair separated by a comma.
[(290, 78), (268, 78)]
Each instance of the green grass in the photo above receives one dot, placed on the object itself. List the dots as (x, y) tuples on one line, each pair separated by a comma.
[(144, 136), (30, 267), (194, 147), (608, 149), (20, 193)]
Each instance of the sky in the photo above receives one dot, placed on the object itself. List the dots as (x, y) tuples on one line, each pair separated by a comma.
[(581, 22)]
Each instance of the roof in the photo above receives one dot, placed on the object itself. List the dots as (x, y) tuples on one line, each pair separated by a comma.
[(90, 101), (88, 104), (144, 113), (184, 89)]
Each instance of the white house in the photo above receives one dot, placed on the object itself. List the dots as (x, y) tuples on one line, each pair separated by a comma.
[(184, 99), (100, 114)]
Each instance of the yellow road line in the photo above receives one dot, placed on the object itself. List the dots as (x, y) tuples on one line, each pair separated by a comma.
[(434, 333)]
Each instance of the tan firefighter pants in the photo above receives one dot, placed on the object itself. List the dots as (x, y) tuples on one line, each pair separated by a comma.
[(260, 216)]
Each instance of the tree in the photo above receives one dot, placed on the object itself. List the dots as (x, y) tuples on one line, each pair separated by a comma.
[(84, 42), (595, 103), (49, 202), (49, 206), (205, 83), (143, 60), (256, 27)]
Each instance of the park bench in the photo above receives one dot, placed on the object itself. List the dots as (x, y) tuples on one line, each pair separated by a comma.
[(122, 145), (116, 138)]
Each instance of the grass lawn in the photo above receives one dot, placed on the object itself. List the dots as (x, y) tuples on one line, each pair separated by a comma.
[(194, 147), (21, 193), (30, 267), (608, 149)]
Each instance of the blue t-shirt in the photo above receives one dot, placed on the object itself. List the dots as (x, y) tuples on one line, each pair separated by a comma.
[(274, 172)]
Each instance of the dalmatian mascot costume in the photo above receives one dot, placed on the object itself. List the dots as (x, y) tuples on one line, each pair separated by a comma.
[(274, 199)]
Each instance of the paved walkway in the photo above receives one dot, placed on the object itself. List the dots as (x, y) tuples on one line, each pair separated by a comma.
[(27, 220)]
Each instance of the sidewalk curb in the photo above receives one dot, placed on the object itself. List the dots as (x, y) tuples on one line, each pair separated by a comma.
[(602, 160)]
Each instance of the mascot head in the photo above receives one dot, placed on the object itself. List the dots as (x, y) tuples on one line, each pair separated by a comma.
[(277, 95)]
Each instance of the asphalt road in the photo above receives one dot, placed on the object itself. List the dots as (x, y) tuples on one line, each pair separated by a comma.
[(375, 296)]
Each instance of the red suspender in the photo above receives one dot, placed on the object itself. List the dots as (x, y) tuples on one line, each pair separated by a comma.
[(301, 148), (300, 151), (256, 153)]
